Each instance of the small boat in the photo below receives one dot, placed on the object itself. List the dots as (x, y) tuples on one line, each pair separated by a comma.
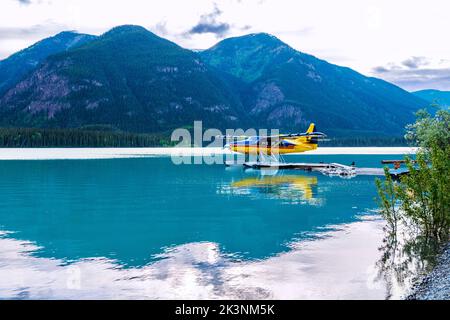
[(397, 173)]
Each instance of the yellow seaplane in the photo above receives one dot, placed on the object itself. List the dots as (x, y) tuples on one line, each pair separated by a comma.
[(277, 144)]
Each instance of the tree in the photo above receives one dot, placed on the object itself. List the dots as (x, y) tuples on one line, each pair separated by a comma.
[(422, 198), (417, 207)]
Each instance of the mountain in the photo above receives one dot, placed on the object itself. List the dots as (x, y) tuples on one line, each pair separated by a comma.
[(19, 64), (128, 79), (440, 98), (132, 80), (284, 88)]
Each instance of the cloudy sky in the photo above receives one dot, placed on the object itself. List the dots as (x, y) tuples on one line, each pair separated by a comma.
[(402, 41)]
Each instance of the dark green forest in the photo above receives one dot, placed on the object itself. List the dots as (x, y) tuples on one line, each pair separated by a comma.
[(365, 142), (40, 138)]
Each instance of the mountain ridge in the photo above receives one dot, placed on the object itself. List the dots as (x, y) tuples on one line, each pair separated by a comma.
[(128, 78), (17, 65), (436, 97), (304, 87)]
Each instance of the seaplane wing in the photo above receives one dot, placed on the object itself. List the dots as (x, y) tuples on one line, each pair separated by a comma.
[(277, 136), (304, 134)]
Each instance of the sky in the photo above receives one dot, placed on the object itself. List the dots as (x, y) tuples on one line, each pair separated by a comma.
[(404, 42)]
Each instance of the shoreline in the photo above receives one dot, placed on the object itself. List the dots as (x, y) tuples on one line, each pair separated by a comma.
[(112, 153), (436, 284)]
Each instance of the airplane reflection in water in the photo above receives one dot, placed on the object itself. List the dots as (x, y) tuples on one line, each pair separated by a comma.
[(293, 189)]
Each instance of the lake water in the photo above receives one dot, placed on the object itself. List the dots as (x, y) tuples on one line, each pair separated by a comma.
[(144, 228)]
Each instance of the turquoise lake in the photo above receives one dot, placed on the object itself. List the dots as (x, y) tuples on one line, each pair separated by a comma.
[(146, 228)]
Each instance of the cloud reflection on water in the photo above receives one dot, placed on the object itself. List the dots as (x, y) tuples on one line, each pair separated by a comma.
[(201, 271)]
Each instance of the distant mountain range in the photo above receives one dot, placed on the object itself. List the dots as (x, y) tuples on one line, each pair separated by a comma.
[(132, 80), (436, 97)]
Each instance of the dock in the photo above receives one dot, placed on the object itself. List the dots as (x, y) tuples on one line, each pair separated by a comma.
[(331, 169)]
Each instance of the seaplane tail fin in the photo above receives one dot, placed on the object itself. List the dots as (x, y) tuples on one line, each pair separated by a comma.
[(311, 128), (314, 138)]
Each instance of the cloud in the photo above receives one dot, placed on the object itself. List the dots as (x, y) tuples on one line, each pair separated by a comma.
[(160, 28), (413, 76), (26, 2), (415, 62), (380, 69), (33, 32), (208, 24), (219, 29)]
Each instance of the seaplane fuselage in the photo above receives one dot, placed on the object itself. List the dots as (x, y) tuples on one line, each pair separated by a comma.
[(279, 144)]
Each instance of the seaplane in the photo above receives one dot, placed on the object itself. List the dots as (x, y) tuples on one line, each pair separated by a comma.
[(267, 151), (270, 148)]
